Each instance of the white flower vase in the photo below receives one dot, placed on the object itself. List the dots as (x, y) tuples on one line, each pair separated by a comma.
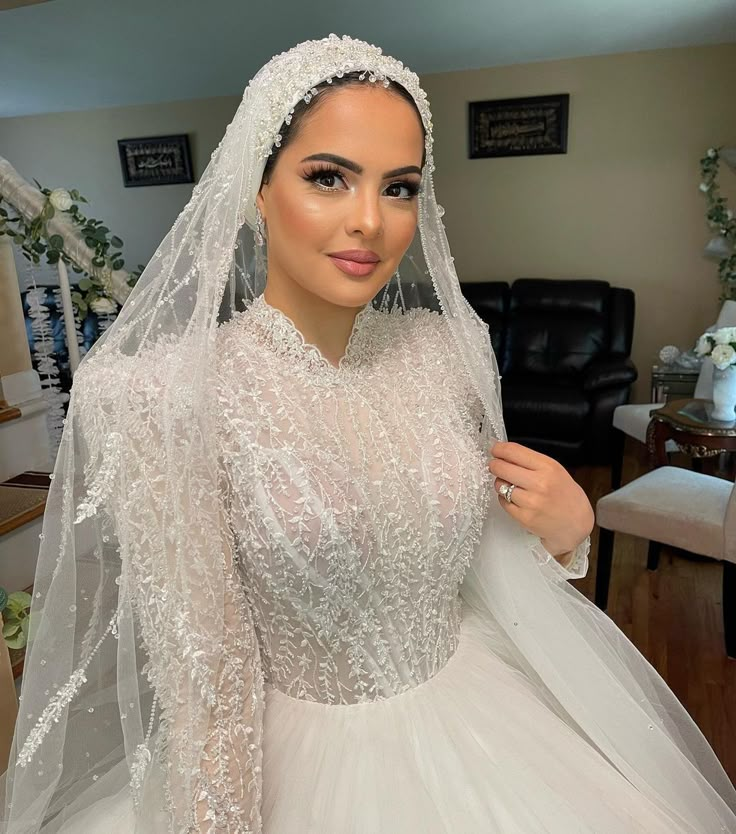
[(724, 393)]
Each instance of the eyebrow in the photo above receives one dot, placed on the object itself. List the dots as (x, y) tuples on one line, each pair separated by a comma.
[(358, 169)]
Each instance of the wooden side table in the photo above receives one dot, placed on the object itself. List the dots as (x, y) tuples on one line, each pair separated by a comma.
[(689, 423)]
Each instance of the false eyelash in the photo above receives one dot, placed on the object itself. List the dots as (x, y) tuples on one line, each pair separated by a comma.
[(326, 168)]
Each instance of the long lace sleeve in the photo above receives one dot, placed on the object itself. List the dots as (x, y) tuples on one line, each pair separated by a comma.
[(179, 566), (575, 567), (228, 793)]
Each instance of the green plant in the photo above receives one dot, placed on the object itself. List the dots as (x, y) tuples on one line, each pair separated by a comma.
[(720, 218), (16, 618), (93, 290)]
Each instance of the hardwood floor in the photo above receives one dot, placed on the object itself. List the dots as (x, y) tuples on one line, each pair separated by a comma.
[(673, 615)]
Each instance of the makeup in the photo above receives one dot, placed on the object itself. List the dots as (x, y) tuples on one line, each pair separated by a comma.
[(354, 268)]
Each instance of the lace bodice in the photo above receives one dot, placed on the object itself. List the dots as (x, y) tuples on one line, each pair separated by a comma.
[(357, 494)]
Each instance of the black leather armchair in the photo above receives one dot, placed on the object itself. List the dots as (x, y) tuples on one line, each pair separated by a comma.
[(563, 349)]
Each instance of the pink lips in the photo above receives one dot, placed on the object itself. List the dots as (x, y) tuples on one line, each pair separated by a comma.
[(355, 261)]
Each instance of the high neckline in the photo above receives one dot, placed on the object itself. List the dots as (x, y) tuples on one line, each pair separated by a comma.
[(285, 337)]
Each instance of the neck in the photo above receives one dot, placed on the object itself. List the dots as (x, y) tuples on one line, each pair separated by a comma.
[(325, 325)]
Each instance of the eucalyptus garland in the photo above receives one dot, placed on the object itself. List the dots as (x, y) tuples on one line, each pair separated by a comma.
[(720, 218), (92, 291), (15, 609)]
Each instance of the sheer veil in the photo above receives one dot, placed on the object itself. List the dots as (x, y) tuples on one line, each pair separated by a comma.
[(104, 696)]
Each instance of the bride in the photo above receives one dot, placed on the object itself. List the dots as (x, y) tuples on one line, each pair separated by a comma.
[(292, 576)]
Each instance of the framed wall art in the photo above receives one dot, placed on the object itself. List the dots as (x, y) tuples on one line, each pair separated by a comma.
[(155, 160), (518, 126)]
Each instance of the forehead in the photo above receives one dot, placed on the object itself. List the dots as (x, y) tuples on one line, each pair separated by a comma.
[(363, 119)]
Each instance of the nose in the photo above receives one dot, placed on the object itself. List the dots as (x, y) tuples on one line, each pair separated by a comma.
[(366, 215)]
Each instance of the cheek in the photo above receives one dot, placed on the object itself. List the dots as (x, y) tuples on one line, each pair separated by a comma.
[(307, 221), (401, 230)]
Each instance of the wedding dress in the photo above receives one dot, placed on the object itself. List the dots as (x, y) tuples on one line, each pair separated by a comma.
[(379, 700), (278, 595)]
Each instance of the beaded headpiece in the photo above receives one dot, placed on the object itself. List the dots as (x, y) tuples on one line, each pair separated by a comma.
[(291, 76)]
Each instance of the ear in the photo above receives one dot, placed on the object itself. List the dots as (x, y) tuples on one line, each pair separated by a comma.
[(260, 202)]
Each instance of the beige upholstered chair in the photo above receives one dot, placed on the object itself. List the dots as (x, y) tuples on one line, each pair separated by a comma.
[(679, 507), (632, 420)]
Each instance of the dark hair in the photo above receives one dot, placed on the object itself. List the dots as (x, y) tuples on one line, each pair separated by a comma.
[(351, 79)]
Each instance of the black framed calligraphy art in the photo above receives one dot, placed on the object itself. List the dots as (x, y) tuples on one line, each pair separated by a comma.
[(155, 160), (518, 126)]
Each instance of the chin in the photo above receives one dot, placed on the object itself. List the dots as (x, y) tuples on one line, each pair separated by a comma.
[(350, 292), (356, 294)]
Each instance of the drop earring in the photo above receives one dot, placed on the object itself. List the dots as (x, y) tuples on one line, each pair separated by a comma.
[(399, 289), (260, 228)]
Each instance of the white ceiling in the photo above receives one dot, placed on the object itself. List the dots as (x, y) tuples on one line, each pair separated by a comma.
[(81, 54)]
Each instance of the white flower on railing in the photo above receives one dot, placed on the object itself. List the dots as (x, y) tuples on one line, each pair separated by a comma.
[(102, 306), (60, 199)]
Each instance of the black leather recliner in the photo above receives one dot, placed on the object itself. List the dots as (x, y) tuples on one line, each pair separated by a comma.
[(563, 349)]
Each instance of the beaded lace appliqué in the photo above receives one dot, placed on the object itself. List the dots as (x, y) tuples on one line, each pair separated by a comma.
[(358, 493)]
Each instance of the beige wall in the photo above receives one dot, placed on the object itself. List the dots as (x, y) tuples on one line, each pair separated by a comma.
[(79, 150), (623, 204)]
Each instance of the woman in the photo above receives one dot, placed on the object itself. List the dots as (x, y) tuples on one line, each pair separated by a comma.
[(277, 592)]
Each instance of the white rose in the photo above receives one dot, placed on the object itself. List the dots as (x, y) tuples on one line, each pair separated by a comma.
[(702, 348), (103, 305), (704, 186), (724, 335), (723, 356), (60, 199), (105, 275), (711, 152)]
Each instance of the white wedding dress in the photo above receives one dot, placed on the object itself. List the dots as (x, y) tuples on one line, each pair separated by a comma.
[(360, 692)]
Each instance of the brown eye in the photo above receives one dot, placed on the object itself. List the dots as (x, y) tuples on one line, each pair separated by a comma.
[(316, 175), (326, 177), (411, 190)]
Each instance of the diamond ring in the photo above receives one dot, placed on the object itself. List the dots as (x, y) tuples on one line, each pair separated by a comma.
[(506, 490)]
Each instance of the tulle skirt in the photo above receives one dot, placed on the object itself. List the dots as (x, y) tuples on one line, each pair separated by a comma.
[(477, 748)]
